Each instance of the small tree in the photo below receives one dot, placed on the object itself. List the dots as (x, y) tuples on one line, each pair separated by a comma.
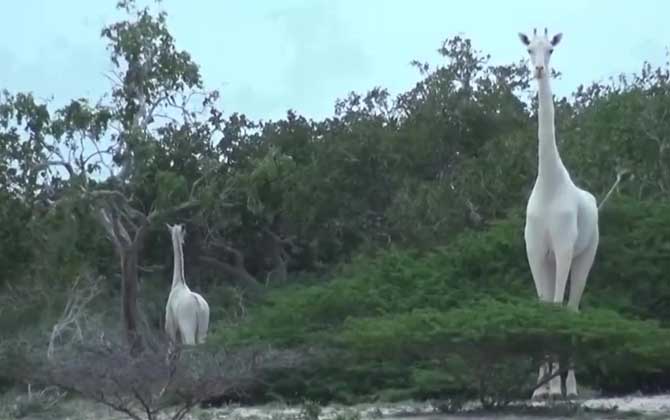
[(151, 112)]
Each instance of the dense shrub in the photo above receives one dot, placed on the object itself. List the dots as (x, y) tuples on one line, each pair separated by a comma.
[(421, 323), (633, 259)]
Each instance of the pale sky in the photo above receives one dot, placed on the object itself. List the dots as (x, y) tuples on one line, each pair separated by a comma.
[(268, 56)]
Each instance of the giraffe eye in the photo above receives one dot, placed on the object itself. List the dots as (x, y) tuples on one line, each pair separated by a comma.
[(529, 51), (551, 51)]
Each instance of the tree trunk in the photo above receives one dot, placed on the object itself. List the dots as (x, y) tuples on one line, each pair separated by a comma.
[(130, 312), (274, 248)]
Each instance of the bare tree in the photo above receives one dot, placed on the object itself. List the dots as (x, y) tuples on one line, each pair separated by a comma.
[(159, 381)]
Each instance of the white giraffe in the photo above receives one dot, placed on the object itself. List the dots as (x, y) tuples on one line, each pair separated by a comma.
[(186, 312), (561, 231)]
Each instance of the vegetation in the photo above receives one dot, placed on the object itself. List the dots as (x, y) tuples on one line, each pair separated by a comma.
[(385, 240)]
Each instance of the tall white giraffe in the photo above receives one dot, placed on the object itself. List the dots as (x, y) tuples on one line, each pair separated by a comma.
[(186, 312), (561, 231)]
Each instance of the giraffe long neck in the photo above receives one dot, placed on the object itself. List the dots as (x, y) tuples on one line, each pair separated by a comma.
[(178, 271), (550, 166)]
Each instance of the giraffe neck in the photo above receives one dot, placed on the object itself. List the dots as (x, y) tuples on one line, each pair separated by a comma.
[(550, 166), (178, 271)]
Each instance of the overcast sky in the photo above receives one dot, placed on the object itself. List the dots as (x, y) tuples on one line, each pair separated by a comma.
[(268, 56)]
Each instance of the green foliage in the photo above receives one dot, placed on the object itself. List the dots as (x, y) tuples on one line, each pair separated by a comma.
[(473, 267), (445, 319), (633, 259), (172, 189), (491, 329)]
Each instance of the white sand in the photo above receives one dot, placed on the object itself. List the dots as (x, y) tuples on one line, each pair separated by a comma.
[(648, 405), (657, 406)]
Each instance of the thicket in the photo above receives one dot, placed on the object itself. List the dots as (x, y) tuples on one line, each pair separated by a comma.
[(388, 237), (463, 320)]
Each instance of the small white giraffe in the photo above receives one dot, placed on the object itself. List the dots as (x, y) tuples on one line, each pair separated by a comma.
[(186, 312), (561, 231)]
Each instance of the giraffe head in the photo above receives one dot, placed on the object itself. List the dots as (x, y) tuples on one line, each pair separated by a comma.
[(540, 48), (178, 232)]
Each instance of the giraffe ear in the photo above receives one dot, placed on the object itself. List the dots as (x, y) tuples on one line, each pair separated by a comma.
[(556, 39), (168, 226), (524, 38)]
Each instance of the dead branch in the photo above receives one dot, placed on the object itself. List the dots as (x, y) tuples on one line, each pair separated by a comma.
[(279, 240), (143, 386), (619, 175), (79, 298), (473, 215), (159, 214), (115, 231), (120, 198), (117, 209), (156, 268)]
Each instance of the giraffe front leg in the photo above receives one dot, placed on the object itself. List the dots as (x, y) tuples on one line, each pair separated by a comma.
[(563, 236), (563, 264), (581, 267), (571, 384), (543, 271), (555, 391), (170, 327), (542, 392)]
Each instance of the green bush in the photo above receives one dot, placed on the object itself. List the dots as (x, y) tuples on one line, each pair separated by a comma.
[(393, 281), (633, 257), (427, 323), (491, 344)]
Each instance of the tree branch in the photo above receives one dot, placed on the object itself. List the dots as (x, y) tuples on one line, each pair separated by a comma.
[(159, 214), (239, 274), (77, 301), (49, 163), (619, 174), (109, 225), (237, 255), (116, 232), (278, 239)]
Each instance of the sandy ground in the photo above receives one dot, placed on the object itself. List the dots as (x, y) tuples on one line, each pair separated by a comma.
[(653, 407), (646, 407), (658, 404)]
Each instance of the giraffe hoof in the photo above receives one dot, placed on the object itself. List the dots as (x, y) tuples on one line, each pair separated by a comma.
[(540, 395)]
